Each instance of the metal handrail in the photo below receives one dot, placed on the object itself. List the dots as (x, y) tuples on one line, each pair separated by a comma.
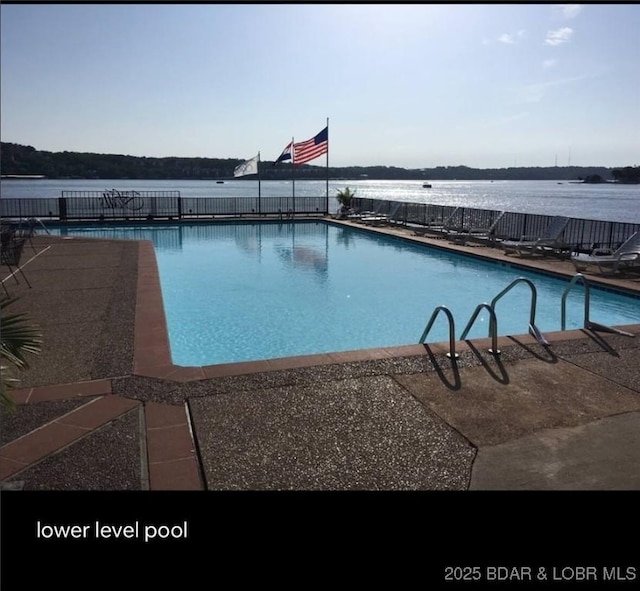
[(533, 329), (493, 326), (587, 300), (588, 324), (452, 332)]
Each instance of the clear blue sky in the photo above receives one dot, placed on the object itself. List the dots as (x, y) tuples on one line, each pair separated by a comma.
[(487, 86)]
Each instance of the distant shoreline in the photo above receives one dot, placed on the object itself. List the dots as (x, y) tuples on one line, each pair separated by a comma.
[(38, 177), (25, 162)]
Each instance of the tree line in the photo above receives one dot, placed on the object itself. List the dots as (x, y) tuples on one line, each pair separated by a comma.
[(17, 159)]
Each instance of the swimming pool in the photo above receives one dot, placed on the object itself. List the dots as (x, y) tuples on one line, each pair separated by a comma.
[(249, 291)]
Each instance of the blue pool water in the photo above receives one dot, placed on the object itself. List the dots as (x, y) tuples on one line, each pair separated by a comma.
[(250, 291)]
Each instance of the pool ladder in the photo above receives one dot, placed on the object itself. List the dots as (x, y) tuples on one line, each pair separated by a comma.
[(588, 324), (493, 319), (533, 329)]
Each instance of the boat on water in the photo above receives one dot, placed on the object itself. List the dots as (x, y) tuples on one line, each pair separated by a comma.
[(426, 185), (220, 182)]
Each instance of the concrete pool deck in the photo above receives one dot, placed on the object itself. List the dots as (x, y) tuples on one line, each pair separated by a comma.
[(103, 408)]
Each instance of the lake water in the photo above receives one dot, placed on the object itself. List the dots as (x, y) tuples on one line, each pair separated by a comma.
[(611, 202)]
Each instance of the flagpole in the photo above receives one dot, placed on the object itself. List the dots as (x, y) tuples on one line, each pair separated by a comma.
[(259, 204), (293, 173), (326, 206)]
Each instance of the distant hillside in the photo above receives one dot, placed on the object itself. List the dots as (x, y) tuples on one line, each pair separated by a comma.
[(26, 160)]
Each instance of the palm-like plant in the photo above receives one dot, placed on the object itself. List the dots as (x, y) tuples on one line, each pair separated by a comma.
[(345, 196), (18, 337)]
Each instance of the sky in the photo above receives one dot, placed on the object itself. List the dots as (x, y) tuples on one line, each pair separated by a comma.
[(406, 85)]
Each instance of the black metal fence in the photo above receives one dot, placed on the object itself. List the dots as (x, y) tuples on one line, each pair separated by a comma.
[(580, 234), (131, 205), (48, 207)]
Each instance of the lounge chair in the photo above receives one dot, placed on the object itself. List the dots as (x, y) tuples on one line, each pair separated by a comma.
[(438, 230), (356, 217), (548, 242), (626, 256), (382, 219), (398, 214), (477, 234)]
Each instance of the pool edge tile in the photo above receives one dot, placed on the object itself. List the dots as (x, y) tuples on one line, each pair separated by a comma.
[(151, 335)]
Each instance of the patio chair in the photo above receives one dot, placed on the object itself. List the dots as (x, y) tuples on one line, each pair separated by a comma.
[(11, 247), (356, 217), (548, 242), (382, 219), (477, 234), (626, 256), (439, 229), (27, 229)]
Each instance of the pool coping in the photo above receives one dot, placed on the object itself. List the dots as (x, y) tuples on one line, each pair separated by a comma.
[(152, 352)]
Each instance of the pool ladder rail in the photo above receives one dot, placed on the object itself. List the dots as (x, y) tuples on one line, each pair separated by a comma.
[(533, 329), (452, 330), (588, 323)]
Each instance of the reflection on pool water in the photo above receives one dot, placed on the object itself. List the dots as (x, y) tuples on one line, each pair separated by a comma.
[(247, 291)]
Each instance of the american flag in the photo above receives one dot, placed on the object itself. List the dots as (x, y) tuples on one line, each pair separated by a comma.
[(286, 154), (311, 149)]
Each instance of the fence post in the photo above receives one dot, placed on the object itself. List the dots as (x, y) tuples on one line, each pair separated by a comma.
[(179, 207), (62, 208)]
